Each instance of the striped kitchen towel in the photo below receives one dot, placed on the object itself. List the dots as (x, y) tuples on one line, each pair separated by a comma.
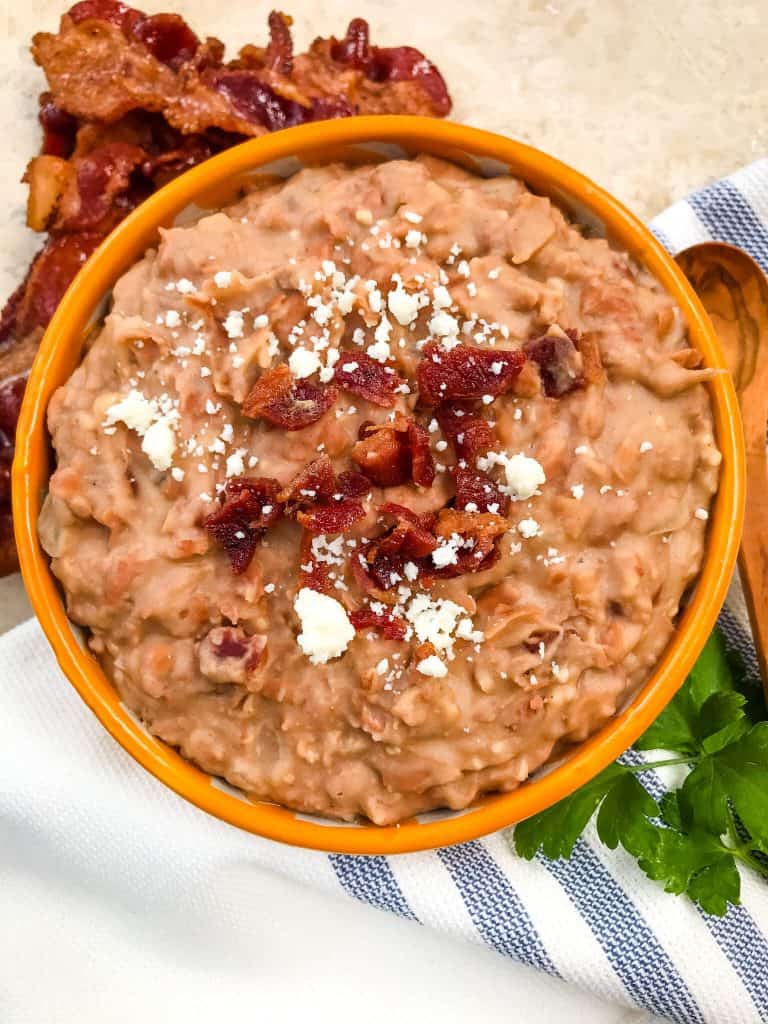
[(81, 809)]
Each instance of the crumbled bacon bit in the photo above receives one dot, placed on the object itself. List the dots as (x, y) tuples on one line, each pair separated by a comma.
[(393, 453), (471, 434), (315, 482), (380, 563), (313, 573), (286, 402), (367, 378), (385, 623), (352, 484), (323, 502), (466, 373), (478, 489), (483, 528), (332, 517), (243, 519)]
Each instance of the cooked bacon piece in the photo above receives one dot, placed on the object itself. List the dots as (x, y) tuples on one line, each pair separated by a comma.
[(393, 64), (469, 432), (367, 378), (466, 373), (96, 197), (50, 275), (352, 484), (279, 53), (323, 502), (312, 573), (332, 517), (412, 535), (286, 402), (315, 482), (478, 489), (393, 453), (382, 454), (59, 128), (479, 531), (165, 68), (385, 623), (380, 563), (422, 463), (566, 361), (166, 36), (250, 507)]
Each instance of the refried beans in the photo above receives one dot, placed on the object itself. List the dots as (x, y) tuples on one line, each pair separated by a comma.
[(380, 488)]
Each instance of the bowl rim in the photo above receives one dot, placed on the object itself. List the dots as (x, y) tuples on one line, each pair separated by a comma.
[(29, 478)]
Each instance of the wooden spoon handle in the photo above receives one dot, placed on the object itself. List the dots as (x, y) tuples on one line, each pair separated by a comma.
[(734, 292)]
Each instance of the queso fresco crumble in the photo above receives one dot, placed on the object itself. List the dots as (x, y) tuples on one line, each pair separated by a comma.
[(380, 487)]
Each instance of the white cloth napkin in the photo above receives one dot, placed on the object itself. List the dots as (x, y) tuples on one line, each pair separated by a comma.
[(80, 819)]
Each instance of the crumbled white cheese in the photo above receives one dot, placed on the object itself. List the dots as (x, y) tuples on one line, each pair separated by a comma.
[(172, 318), (177, 473), (412, 217), (524, 475), (413, 239), (222, 279), (577, 490), (528, 528), (135, 411), (235, 463), (185, 286), (432, 666), (646, 446), (303, 362), (159, 443), (380, 351), (326, 631), (441, 297), (233, 324), (701, 513), (402, 305), (434, 621)]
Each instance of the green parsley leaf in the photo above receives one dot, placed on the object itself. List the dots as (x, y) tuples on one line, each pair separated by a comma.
[(737, 775), (692, 839), (623, 815), (556, 830)]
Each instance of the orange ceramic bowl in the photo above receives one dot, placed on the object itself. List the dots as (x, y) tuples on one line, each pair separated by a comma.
[(215, 183)]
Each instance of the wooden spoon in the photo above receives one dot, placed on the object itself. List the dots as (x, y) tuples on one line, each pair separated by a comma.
[(734, 291)]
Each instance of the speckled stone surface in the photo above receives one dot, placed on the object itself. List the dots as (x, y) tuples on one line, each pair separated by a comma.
[(650, 100)]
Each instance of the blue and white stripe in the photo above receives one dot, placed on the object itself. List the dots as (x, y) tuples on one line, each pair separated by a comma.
[(596, 920)]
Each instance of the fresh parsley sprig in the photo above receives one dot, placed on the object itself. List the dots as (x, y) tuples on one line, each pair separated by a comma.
[(691, 839)]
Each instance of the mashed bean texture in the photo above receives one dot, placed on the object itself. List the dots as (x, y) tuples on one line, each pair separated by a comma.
[(379, 488)]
